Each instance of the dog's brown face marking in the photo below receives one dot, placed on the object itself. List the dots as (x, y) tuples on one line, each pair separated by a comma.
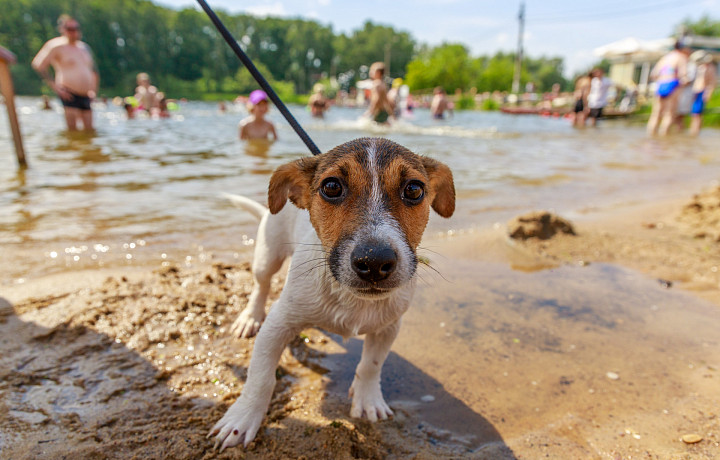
[(367, 190), (373, 177)]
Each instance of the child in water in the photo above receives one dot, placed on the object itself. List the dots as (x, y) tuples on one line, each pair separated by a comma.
[(256, 126)]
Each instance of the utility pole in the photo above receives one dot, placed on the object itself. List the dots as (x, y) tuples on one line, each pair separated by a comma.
[(519, 56)]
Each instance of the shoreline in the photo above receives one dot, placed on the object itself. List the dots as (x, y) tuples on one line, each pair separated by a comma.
[(154, 352)]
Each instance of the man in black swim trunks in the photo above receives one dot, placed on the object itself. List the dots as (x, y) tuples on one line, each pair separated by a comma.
[(76, 78)]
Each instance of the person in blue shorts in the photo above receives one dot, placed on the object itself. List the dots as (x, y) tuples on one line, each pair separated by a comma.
[(669, 73), (703, 87)]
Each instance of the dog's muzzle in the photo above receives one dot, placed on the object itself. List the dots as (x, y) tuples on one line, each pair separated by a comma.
[(373, 262)]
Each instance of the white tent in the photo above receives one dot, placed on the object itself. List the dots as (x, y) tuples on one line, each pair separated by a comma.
[(635, 50)]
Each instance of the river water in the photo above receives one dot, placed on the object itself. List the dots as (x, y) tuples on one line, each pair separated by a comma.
[(576, 362), (141, 188)]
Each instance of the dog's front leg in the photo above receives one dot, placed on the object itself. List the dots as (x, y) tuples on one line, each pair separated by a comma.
[(242, 421), (267, 260), (365, 390)]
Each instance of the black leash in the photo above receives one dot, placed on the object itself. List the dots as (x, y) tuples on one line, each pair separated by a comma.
[(259, 78)]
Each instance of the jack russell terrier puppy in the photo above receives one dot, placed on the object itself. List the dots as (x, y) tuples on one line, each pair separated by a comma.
[(360, 213)]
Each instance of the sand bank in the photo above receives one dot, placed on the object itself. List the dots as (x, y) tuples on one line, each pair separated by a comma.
[(601, 344)]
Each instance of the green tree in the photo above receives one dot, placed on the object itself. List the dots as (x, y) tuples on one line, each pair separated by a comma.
[(370, 44), (447, 65), (186, 56), (704, 26), (546, 72), (496, 72), (191, 41)]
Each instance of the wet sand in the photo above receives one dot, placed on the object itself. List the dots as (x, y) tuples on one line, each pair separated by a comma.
[(602, 344)]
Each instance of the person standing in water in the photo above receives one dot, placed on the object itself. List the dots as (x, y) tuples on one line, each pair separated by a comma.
[(669, 73), (76, 78), (146, 94), (318, 103), (597, 97), (439, 103), (582, 89), (380, 108), (703, 87)]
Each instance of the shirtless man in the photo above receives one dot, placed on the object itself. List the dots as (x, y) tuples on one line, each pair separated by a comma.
[(318, 103), (380, 109), (76, 78), (670, 73), (439, 103)]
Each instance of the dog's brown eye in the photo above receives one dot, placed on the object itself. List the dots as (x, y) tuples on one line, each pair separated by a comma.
[(331, 189), (414, 191)]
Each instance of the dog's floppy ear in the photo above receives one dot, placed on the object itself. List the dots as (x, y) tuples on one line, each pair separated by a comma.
[(291, 181), (442, 186)]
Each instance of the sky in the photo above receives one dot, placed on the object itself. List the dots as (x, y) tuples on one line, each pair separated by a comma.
[(565, 28)]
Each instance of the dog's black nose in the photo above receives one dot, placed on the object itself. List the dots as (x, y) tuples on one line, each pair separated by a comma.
[(373, 262)]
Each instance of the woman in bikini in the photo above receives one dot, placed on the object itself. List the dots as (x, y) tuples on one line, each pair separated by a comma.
[(669, 73)]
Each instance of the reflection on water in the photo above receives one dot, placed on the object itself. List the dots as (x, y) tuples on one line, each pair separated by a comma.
[(160, 180), (258, 147)]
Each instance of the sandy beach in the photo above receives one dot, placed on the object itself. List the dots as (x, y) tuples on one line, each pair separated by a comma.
[(123, 269), (600, 344)]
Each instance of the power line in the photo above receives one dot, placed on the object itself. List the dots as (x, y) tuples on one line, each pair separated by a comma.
[(608, 6), (614, 14)]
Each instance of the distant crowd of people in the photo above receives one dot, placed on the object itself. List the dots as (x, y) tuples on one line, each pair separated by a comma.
[(385, 105), (684, 82), (77, 80)]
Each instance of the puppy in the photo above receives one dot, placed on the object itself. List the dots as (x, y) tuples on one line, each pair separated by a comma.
[(363, 207)]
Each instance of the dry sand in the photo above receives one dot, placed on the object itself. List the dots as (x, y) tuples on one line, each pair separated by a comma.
[(140, 364)]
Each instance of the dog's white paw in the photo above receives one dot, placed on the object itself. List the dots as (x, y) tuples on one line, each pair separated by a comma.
[(368, 401), (247, 324), (240, 424)]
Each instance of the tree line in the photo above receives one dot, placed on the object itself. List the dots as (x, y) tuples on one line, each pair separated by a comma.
[(186, 57)]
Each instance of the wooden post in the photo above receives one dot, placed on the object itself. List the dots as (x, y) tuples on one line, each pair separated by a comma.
[(6, 87)]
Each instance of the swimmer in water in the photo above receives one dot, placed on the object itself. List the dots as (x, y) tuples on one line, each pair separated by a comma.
[(256, 126), (318, 103)]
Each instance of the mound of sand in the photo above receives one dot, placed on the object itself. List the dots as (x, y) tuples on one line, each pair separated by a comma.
[(143, 366), (701, 217), (542, 225)]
